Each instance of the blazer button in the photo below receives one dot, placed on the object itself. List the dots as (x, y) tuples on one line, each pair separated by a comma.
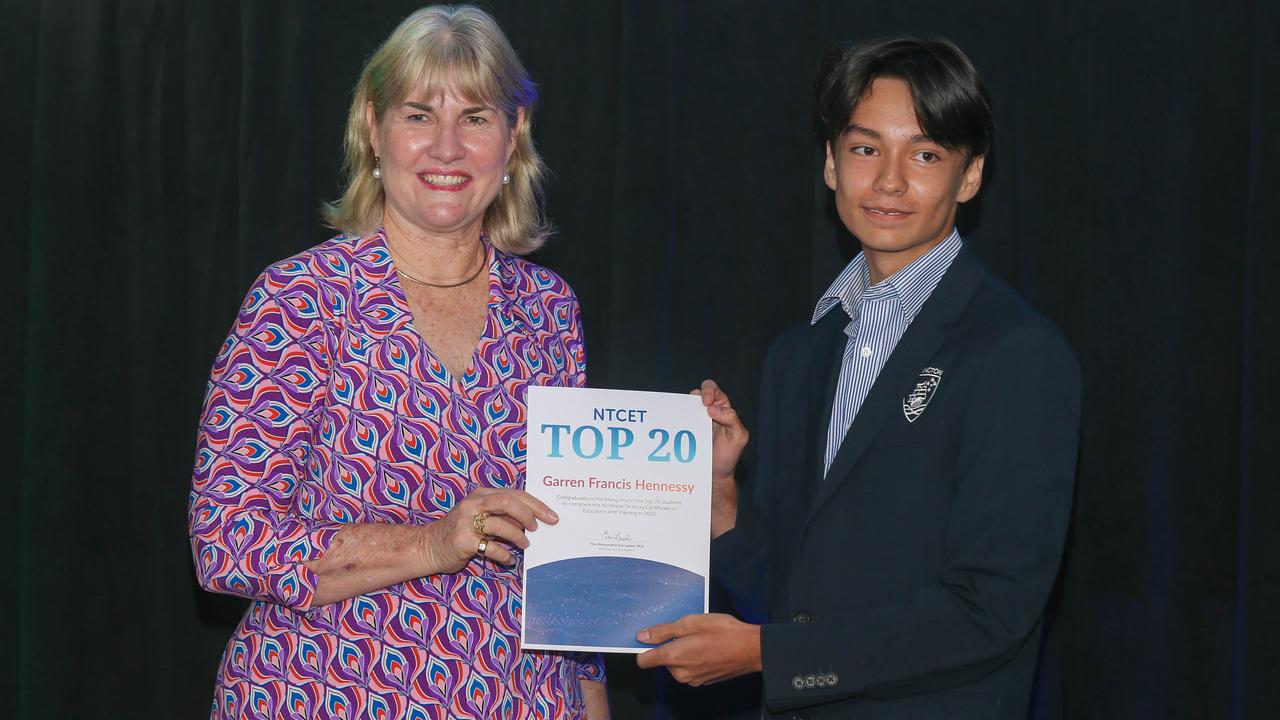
[(832, 679), (801, 617), (820, 680), (797, 682), (799, 716), (810, 682)]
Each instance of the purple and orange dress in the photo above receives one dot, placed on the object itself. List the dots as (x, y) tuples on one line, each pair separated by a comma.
[(326, 407)]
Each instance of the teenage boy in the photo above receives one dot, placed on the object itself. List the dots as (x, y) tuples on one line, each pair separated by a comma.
[(916, 443)]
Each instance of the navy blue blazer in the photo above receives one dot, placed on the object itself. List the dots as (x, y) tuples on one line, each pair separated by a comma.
[(911, 581)]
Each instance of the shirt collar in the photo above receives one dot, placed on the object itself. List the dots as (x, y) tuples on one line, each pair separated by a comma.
[(912, 285)]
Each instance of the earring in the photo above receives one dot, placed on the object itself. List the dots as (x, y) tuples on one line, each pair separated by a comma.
[(377, 168), (506, 179)]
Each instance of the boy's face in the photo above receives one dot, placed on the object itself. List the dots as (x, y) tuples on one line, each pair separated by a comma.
[(896, 189)]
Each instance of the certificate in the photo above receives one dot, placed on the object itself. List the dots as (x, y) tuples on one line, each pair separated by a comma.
[(629, 474)]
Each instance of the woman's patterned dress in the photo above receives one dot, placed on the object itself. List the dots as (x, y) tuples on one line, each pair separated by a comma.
[(326, 407)]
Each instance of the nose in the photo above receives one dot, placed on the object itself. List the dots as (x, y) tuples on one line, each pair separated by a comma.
[(447, 146), (890, 180)]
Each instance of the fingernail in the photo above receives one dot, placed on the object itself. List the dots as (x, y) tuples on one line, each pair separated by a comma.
[(554, 517), (643, 636)]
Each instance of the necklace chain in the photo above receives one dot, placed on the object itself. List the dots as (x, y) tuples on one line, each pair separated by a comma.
[(446, 286)]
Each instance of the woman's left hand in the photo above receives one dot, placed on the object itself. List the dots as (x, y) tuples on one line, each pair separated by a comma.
[(495, 519)]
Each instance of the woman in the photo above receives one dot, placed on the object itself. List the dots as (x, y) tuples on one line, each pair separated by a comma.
[(361, 450)]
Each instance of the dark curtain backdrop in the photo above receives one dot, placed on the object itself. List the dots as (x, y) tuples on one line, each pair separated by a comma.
[(158, 154)]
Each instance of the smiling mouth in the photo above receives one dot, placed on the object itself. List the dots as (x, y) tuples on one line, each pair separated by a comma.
[(444, 182), (886, 213)]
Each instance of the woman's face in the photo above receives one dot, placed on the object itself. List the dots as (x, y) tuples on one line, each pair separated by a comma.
[(442, 159)]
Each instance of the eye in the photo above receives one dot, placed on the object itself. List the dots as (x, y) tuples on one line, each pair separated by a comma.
[(864, 150), (417, 117), (928, 156), (476, 120)]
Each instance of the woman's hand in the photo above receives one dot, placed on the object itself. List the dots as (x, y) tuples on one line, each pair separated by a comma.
[(497, 518), (728, 438)]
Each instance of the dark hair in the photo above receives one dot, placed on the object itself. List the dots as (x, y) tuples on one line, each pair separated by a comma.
[(951, 104)]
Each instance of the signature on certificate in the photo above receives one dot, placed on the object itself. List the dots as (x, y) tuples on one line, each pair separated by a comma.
[(612, 535)]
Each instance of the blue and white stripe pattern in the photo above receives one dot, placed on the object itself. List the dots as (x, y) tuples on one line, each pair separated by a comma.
[(878, 316)]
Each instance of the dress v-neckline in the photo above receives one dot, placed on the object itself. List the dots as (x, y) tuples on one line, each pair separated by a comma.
[(453, 381), (473, 359)]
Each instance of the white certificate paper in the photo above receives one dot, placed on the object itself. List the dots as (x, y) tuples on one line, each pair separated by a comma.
[(629, 474)]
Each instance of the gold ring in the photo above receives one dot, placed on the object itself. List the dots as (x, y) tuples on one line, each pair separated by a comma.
[(477, 523), (484, 545)]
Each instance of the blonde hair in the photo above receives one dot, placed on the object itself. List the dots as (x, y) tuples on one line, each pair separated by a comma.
[(440, 48)]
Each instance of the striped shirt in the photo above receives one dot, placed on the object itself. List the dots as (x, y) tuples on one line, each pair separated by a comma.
[(878, 316)]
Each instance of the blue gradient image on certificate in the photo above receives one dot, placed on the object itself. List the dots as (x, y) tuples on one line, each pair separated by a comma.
[(605, 601)]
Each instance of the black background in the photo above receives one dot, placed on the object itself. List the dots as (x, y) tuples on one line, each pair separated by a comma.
[(157, 155)]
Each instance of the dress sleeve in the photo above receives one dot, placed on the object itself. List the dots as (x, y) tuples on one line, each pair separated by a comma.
[(569, 325), (248, 535), (590, 666)]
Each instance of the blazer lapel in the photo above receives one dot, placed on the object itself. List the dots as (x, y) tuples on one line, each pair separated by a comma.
[(914, 350), (824, 369)]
